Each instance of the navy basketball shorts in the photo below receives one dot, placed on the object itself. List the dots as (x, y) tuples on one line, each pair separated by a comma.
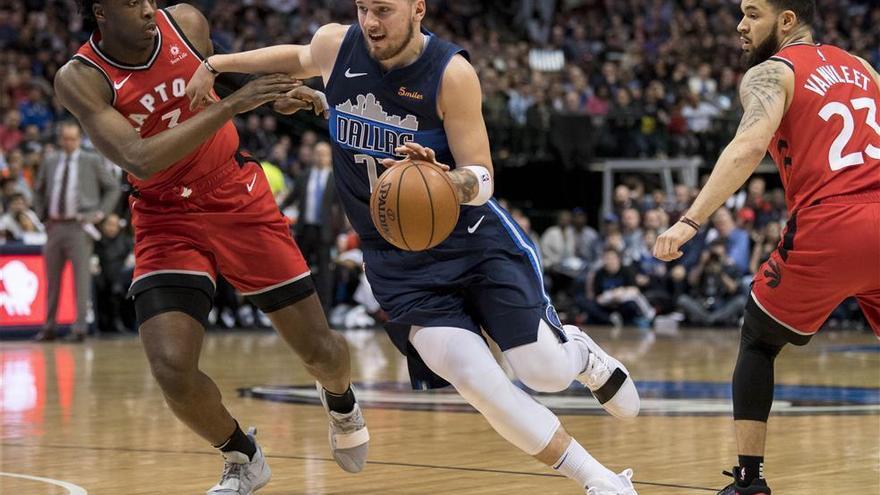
[(489, 279)]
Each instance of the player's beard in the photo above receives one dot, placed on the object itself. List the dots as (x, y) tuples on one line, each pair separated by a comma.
[(393, 51), (761, 53)]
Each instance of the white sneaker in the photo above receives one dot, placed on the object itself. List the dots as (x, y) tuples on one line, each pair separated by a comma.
[(607, 378), (624, 482), (349, 438), (242, 476)]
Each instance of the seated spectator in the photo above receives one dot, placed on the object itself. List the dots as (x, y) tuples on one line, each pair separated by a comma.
[(736, 240), (560, 260), (612, 295), (633, 236), (715, 298), (115, 268), (21, 223), (766, 241), (587, 243)]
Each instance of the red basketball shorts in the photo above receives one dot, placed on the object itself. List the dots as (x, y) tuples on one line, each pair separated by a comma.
[(829, 252), (225, 223)]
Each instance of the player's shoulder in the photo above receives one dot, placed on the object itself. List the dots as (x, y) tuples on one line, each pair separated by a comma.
[(184, 13), (771, 72), (460, 75), (332, 33), (78, 80)]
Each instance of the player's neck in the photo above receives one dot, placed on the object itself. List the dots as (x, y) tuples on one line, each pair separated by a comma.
[(128, 56), (800, 35), (408, 55)]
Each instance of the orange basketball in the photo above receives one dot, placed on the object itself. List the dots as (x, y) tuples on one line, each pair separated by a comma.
[(414, 206)]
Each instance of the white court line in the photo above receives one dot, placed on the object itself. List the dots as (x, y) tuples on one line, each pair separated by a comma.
[(70, 487)]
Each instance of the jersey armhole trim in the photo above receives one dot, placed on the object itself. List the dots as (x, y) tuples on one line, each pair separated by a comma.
[(348, 34), (179, 32), (785, 61), (85, 60), (452, 54)]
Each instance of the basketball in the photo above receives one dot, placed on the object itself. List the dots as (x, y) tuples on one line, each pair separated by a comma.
[(414, 206)]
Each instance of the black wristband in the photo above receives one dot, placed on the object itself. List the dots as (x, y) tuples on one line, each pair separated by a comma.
[(689, 222), (210, 67)]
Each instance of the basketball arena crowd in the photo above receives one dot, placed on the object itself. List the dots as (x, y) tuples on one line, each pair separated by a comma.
[(564, 82)]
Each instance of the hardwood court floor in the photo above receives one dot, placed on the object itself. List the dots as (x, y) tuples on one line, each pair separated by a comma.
[(91, 415)]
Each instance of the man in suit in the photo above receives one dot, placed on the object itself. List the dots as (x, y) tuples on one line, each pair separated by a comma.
[(320, 218), (74, 190)]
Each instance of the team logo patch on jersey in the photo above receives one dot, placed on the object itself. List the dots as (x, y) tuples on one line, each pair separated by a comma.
[(177, 54), (364, 125), (415, 95), (659, 398)]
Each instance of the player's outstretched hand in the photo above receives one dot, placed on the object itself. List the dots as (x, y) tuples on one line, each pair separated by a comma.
[(262, 90), (199, 87), (300, 98), (668, 245), (414, 152)]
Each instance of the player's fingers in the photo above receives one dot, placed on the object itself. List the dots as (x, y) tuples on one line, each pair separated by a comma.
[(432, 157)]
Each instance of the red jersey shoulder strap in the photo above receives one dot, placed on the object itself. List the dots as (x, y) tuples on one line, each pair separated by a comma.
[(175, 30)]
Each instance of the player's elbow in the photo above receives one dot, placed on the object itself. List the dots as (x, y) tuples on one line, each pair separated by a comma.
[(137, 165)]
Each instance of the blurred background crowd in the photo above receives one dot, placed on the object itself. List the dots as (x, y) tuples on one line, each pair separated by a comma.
[(565, 83)]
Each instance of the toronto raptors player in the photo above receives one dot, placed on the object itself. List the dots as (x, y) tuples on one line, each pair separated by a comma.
[(815, 108), (200, 208)]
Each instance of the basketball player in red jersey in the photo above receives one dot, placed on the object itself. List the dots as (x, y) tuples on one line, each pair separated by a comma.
[(815, 107), (200, 207)]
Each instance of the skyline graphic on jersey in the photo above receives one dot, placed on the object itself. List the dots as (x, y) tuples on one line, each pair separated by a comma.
[(369, 108)]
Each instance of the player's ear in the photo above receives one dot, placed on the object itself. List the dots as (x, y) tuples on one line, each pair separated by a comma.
[(419, 10), (788, 21), (98, 11)]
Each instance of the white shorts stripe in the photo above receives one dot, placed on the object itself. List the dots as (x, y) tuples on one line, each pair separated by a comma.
[(786, 325), (281, 284)]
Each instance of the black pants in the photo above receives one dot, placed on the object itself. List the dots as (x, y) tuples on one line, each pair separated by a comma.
[(317, 255)]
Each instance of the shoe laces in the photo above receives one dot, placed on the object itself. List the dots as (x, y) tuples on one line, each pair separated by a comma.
[(349, 422), (596, 372), (231, 471)]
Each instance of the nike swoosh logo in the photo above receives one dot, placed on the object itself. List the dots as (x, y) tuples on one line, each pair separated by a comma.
[(118, 85), (349, 74), (251, 185), (473, 228)]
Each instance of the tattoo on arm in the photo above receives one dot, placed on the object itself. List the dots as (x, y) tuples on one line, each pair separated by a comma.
[(762, 87), (465, 183)]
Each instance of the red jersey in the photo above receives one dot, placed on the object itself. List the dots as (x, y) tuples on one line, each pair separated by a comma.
[(828, 143), (152, 97)]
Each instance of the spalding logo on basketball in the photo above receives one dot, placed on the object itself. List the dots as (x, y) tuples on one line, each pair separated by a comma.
[(414, 206)]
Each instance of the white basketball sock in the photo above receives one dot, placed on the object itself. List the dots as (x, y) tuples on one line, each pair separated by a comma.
[(577, 464)]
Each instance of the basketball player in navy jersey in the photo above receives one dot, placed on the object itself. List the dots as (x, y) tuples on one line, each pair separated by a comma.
[(389, 85), (199, 208)]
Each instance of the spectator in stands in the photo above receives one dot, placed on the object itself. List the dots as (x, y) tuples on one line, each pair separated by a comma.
[(22, 224), (113, 277), (587, 244), (716, 297), (735, 239), (10, 131), (633, 236), (613, 297)]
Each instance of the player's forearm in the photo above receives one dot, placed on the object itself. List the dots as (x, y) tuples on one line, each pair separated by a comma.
[(466, 186), (735, 165), (151, 155), (279, 58)]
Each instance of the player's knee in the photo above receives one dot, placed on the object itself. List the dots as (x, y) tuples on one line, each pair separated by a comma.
[(173, 372), (544, 376)]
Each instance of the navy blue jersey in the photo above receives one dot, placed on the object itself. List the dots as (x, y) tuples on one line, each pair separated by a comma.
[(373, 111)]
